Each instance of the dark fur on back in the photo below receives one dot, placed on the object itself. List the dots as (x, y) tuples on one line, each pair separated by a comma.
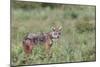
[(38, 37)]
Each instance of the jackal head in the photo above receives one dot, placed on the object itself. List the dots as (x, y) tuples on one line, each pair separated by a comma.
[(56, 32)]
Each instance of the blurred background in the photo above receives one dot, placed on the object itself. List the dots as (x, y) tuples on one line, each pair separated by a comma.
[(77, 42)]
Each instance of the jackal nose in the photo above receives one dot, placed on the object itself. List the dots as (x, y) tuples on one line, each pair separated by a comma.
[(57, 36)]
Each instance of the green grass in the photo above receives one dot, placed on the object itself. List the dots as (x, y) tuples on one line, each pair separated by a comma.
[(77, 42)]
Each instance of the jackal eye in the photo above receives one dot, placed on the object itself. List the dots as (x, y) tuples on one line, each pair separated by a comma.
[(59, 33)]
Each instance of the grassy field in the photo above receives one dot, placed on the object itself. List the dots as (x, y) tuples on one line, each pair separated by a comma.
[(77, 42)]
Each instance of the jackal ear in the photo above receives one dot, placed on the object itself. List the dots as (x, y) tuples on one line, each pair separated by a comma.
[(60, 27), (53, 28)]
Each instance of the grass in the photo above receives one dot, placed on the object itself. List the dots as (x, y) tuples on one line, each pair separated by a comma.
[(77, 42)]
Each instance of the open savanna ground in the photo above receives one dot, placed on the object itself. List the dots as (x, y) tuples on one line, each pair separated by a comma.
[(77, 42)]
